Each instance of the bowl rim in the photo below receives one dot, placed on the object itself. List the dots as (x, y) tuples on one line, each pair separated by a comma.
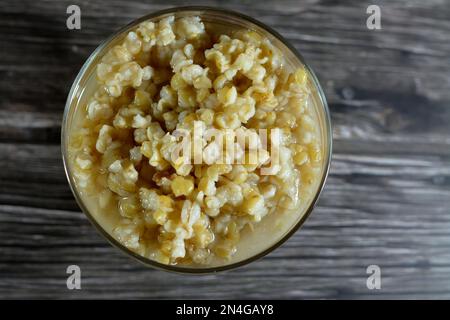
[(176, 268)]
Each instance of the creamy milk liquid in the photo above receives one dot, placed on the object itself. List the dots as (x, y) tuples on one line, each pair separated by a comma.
[(265, 233)]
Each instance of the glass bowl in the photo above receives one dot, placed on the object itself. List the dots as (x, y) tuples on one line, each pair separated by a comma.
[(226, 19)]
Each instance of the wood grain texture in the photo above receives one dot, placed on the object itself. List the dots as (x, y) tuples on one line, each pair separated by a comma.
[(387, 200)]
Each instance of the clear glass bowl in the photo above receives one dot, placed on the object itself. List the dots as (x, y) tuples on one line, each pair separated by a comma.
[(229, 20)]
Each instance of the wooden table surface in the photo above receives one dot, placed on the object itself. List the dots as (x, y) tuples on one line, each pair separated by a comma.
[(386, 202)]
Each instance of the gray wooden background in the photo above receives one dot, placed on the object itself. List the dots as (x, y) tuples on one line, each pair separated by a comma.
[(387, 200)]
